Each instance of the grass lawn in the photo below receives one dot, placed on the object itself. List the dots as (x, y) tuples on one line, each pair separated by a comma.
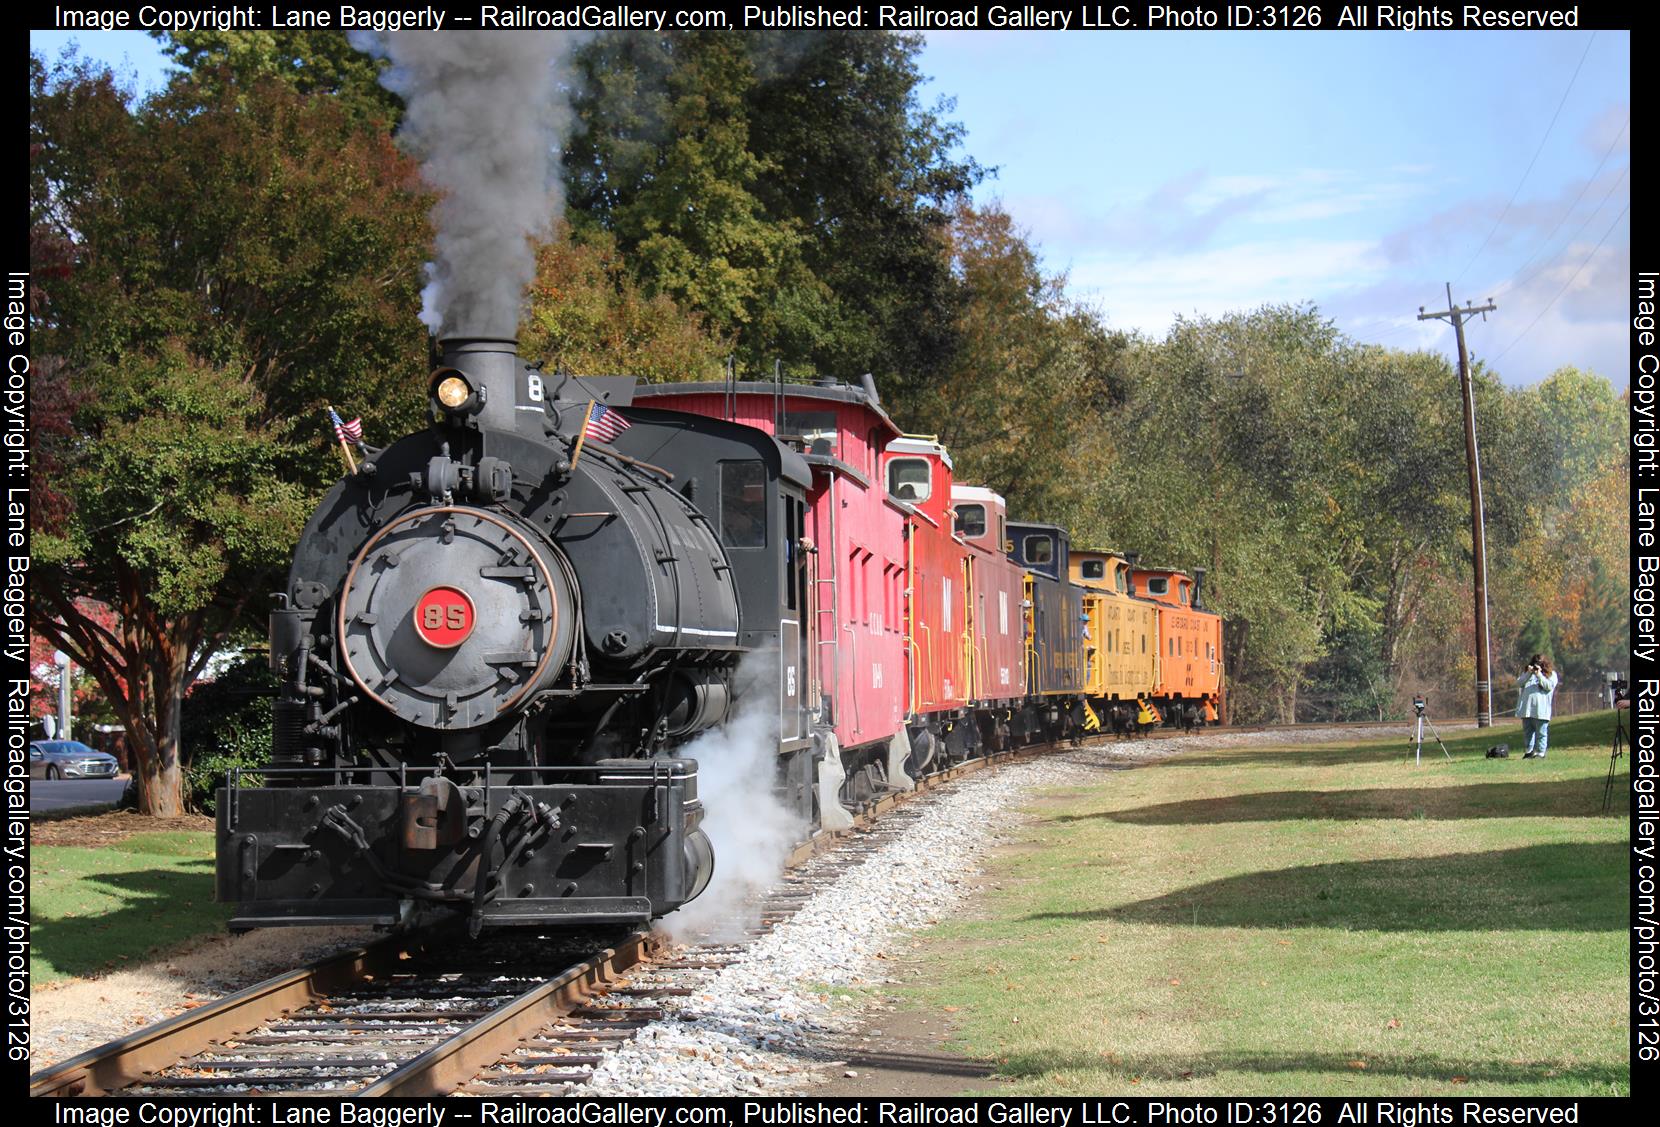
[(98, 909), (1327, 920)]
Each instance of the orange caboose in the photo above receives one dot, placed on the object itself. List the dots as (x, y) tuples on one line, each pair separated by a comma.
[(1189, 643)]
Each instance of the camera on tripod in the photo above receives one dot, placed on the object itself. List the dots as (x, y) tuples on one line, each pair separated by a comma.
[(1421, 707), (1619, 689)]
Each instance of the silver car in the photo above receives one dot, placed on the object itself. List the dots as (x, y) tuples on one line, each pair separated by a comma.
[(68, 759)]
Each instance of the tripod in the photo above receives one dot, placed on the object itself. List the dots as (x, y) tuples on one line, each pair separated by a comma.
[(1614, 754), (1418, 737)]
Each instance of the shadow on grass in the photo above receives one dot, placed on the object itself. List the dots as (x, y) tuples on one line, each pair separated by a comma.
[(1593, 730), (1558, 798), (1580, 886), (1599, 1079), (160, 907)]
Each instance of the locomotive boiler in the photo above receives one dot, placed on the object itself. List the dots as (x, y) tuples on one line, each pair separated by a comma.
[(496, 638)]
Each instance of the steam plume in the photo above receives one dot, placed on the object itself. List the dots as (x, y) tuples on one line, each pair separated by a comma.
[(485, 121), (752, 832)]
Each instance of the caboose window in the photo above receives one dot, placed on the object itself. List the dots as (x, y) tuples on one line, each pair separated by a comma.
[(743, 504), (971, 521), (1094, 569), (1122, 578), (1159, 586), (1184, 594), (910, 480), (1039, 550), (816, 429)]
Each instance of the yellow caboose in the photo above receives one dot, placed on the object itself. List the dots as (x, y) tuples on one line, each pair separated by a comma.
[(1121, 652)]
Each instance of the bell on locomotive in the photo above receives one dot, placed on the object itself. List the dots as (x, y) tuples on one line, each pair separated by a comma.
[(495, 637)]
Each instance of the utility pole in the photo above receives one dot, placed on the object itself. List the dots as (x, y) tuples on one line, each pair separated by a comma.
[(1478, 523)]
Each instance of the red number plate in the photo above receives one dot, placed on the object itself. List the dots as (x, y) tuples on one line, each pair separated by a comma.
[(444, 617)]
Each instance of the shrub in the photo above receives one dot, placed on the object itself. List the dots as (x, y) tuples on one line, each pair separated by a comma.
[(226, 723)]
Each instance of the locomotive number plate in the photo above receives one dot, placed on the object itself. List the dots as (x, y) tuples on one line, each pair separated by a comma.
[(444, 617)]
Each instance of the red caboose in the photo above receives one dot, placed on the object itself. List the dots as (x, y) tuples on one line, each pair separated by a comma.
[(917, 472), (859, 553)]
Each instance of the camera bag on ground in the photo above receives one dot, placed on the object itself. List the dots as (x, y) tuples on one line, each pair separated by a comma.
[(1499, 751)]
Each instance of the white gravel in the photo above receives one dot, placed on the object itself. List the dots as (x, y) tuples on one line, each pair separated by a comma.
[(759, 1025), (755, 1026)]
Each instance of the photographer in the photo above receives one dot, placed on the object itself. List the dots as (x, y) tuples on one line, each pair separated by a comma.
[(1533, 704)]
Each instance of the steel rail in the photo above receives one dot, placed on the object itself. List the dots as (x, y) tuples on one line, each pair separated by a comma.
[(444, 1067), (127, 1060)]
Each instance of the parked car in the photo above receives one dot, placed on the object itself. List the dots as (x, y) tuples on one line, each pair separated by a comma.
[(68, 759)]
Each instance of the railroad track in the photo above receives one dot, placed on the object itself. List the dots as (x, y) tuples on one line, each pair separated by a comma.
[(434, 1013)]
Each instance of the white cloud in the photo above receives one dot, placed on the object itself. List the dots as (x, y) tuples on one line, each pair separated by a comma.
[(1147, 293)]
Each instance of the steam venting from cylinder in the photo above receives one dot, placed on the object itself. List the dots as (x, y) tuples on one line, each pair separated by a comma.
[(485, 120)]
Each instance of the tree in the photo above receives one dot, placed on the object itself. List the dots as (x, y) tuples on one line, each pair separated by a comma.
[(680, 205), (236, 257), (871, 179), (588, 316), (787, 187), (311, 62), (1025, 380), (181, 522)]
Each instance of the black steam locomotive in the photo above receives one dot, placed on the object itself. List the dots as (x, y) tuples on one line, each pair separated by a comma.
[(494, 637)]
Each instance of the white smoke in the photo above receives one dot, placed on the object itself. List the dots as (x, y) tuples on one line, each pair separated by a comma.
[(485, 119), (751, 830)]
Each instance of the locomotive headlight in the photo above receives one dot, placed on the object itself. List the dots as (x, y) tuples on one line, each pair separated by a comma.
[(453, 391)]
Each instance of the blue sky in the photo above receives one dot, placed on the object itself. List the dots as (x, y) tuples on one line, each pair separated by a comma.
[(1201, 173)]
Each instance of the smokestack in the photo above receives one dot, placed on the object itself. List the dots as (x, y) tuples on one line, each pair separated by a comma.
[(491, 365), (1198, 587)]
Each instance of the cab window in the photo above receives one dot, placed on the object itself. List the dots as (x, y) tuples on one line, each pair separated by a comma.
[(971, 521), (909, 480), (1184, 594), (743, 504), (1094, 569), (1039, 550), (1123, 578), (1159, 586)]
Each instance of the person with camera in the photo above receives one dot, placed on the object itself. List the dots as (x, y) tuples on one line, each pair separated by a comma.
[(1533, 704)]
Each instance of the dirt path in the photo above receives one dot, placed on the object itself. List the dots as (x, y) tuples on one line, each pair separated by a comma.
[(73, 1016)]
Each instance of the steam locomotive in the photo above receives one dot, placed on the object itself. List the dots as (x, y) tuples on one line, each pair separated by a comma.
[(500, 634)]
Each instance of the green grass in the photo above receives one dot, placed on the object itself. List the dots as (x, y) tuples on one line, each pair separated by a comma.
[(98, 909), (1325, 920)]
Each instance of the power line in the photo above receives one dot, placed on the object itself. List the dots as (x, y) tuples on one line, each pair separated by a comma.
[(1595, 211), (1583, 188), (1532, 162), (1566, 284)]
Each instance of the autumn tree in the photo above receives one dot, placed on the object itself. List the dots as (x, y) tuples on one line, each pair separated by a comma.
[(787, 188), (236, 258), (310, 62), (588, 316)]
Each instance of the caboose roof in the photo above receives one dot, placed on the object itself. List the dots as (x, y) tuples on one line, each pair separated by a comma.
[(831, 391), (975, 493)]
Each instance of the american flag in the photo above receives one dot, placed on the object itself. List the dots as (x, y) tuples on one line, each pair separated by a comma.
[(604, 424), (347, 432)]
